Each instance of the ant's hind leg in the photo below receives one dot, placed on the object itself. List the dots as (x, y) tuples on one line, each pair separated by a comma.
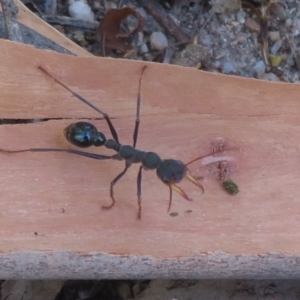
[(81, 98), (170, 199), (139, 192), (68, 150), (112, 187), (138, 108)]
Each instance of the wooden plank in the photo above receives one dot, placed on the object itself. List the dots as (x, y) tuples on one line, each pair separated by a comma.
[(52, 225)]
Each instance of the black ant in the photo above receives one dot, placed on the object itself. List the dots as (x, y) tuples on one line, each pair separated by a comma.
[(84, 135)]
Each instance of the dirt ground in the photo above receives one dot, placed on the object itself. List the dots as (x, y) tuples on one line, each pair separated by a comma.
[(246, 38), (153, 290), (257, 39)]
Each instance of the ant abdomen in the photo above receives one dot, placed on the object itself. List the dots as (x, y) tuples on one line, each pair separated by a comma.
[(171, 171), (84, 134)]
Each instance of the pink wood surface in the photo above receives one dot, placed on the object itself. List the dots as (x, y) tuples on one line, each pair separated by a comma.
[(184, 113)]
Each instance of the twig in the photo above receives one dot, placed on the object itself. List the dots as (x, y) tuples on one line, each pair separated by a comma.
[(66, 21), (157, 12), (10, 12)]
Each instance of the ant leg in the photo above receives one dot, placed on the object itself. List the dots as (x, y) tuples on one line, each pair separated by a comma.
[(105, 115), (112, 187), (170, 201), (138, 108), (73, 151), (139, 193)]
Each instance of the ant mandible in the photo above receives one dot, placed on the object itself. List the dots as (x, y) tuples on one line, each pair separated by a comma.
[(84, 135)]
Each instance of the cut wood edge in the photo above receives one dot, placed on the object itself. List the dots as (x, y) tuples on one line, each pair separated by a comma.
[(29, 19), (61, 265)]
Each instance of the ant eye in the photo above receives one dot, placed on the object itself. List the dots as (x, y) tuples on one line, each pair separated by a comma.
[(84, 134)]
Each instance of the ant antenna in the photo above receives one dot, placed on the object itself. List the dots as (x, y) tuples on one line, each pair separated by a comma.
[(207, 155)]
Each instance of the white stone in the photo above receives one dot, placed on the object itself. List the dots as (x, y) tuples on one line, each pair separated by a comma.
[(81, 11), (158, 41)]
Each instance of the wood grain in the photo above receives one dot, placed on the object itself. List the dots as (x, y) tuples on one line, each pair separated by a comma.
[(52, 225)]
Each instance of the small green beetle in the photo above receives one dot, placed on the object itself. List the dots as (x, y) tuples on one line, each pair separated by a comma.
[(230, 187)]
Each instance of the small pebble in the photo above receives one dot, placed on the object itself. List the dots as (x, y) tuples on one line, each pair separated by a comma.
[(277, 45), (228, 67), (205, 39), (235, 24), (270, 77), (110, 5), (259, 68), (144, 48), (140, 39), (297, 59), (288, 22), (148, 57), (81, 11), (240, 16), (136, 289), (140, 287), (274, 36), (193, 56), (124, 291), (158, 41), (278, 10), (252, 25), (296, 26)]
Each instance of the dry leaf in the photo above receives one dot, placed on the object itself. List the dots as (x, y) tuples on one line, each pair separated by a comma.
[(109, 32)]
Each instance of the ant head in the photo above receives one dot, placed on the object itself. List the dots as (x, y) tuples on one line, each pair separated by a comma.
[(84, 134), (171, 171)]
